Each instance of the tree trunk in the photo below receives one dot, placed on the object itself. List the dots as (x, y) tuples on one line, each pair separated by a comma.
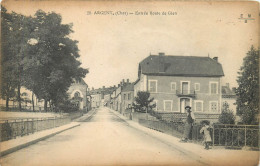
[(33, 101), (7, 104), (45, 105), (19, 97), (146, 110)]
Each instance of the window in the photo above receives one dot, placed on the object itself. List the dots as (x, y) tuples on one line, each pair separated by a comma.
[(173, 86), (197, 86), (153, 86), (129, 96), (167, 105), (213, 88), (198, 106), (76, 94), (124, 96), (213, 106)]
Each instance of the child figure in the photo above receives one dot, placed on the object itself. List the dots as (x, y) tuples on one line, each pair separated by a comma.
[(206, 134)]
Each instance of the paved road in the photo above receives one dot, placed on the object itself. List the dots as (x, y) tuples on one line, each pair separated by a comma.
[(103, 139)]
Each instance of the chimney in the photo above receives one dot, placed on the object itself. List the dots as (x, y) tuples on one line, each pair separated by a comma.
[(92, 88), (103, 87), (114, 86), (161, 62), (161, 54), (127, 81), (118, 85), (216, 59), (227, 84), (123, 81)]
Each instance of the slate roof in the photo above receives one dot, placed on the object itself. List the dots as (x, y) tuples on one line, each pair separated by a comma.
[(181, 66), (104, 91), (128, 87), (79, 81), (227, 92)]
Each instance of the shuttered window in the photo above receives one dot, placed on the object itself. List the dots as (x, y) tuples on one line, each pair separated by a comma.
[(214, 88), (153, 86), (198, 106), (167, 105)]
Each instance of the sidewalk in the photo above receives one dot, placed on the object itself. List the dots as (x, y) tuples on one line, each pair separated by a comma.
[(216, 156), (13, 145)]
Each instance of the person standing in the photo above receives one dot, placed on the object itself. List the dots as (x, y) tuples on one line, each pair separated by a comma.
[(188, 125), (205, 130)]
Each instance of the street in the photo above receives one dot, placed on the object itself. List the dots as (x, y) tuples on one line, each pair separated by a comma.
[(103, 139)]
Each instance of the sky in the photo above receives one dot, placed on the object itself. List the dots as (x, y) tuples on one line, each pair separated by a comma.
[(111, 46)]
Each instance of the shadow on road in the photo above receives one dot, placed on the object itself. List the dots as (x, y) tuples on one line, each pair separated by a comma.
[(87, 118)]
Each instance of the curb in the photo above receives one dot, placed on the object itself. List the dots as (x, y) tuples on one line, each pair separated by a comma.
[(13, 149), (86, 116), (193, 155)]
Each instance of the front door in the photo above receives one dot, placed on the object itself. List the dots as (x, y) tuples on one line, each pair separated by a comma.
[(183, 103)]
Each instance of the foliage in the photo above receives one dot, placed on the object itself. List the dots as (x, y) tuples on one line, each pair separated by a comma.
[(52, 63), (15, 31), (155, 114), (248, 89), (227, 116), (66, 105), (143, 102), (37, 53)]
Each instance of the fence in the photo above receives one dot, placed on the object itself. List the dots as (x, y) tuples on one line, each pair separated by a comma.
[(230, 136), (25, 108), (236, 136), (172, 128), (12, 128)]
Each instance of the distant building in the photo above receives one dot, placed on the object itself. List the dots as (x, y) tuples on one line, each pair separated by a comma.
[(127, 96), (95, 98), (78, 93), (101, 97), (229, 97), (179, 81), (27, 101), (122, 96)]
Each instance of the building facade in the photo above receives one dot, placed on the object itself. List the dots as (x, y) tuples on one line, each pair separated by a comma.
[(78, 93), (127, 96), (101, 97), (229, 97), (179, 81)]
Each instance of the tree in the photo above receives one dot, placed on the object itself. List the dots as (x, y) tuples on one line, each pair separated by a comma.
[(248, 88), (37, 53), (7, 72), (14, 36), (51, 63), (143, 102), (226, 116)]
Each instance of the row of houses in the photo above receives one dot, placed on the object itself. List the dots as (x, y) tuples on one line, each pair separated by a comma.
[(174, 82), (118, 97)]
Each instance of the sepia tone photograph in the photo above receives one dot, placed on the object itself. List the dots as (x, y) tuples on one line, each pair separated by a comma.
[(129, 82)]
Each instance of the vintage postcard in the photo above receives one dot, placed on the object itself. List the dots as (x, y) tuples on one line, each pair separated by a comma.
[(129, 82)]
